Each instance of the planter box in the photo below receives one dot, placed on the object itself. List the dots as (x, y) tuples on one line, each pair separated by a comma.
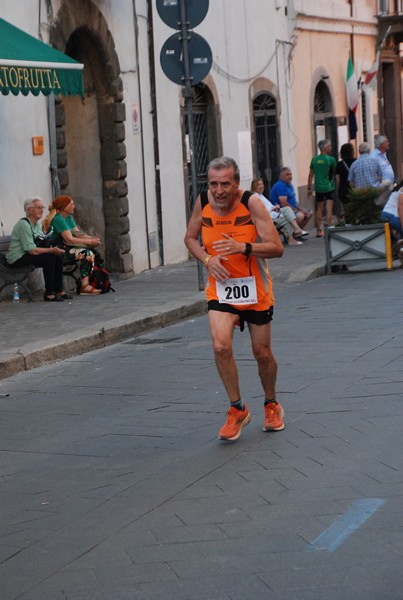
[(354, 244)]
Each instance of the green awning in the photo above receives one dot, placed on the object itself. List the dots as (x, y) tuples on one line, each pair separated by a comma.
[(27, 65)]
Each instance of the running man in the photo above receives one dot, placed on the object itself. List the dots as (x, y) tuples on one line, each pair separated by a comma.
[(237, 236)]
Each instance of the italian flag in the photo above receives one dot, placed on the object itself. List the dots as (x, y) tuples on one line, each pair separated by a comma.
[(351, 86), (352, 99), (370, 80)]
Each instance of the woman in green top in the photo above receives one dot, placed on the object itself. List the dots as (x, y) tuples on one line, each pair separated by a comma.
[(77, 244)]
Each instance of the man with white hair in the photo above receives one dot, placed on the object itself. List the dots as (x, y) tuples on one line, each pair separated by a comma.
[(24, 250), (381, 147), (365, 171)]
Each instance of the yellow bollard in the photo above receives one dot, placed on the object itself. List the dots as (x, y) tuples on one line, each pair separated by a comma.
[(388, 243)]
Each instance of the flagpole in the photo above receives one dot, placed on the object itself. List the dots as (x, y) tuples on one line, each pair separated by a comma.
[(379, 79), (383, 40), (352, 60), (352, 98)]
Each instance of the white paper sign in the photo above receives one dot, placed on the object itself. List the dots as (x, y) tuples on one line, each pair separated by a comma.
[(245, 155)]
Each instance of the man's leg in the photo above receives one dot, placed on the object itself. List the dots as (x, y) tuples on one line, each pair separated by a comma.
[(58, 273), (319, 212), (329, 212), (301, 220), (222, 328), (267, 368), (292, 219), (47, 262)]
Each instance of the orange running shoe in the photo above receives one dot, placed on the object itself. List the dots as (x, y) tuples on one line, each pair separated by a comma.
[(236, 419), (274, 414)]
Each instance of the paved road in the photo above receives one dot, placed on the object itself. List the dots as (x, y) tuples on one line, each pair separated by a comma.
[(114, 486)]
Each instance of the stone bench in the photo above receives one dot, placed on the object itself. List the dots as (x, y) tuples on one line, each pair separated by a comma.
[(11, 276)]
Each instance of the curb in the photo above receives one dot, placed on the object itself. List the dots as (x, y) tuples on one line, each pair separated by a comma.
[(307, 273), (31, 356)]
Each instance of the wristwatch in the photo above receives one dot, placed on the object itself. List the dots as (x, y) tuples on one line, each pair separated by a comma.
[(248, 249)]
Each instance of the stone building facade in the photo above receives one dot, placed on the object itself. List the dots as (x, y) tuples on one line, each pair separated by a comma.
[(277, 84)]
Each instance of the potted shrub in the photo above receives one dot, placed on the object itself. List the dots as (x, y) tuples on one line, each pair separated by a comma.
[(361, 208)]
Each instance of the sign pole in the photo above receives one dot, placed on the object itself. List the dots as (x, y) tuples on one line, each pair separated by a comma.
[(187, 94), (186, 67)]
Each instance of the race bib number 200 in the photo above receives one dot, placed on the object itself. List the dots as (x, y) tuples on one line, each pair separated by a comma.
[(241, 290)]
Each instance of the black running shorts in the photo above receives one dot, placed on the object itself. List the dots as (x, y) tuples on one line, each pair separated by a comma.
[(256, 317)]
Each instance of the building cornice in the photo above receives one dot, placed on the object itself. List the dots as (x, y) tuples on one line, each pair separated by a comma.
[(335, 25)]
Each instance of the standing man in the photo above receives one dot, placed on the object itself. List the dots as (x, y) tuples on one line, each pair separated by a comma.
[(237, 236), (321, 170), (381, 147), (366, 171), (283, 194)]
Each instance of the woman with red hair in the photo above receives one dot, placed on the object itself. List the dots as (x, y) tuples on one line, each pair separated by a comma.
[(78, 245)]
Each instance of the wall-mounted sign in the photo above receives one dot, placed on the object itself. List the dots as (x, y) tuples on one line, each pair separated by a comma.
[(135, 118), (38, 145)]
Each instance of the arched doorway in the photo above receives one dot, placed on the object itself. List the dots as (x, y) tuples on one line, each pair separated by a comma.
[(266, 138), (84, 160), (391, 109), (390, 84), (206, 137), (90, 134), (325, 125)]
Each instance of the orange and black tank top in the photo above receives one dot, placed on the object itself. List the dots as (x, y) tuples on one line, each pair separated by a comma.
[(239, 225)]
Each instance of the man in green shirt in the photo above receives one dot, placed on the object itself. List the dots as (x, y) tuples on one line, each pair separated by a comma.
[(321, 171)]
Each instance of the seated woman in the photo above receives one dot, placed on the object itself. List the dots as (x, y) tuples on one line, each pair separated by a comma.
[(79, 245), (23, 251), (392, 212), (282, 216)]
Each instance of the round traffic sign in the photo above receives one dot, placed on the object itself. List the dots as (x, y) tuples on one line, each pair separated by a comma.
[(170, 12), (200, 58)]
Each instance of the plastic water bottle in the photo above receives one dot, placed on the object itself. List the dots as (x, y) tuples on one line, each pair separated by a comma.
[(16, 294)]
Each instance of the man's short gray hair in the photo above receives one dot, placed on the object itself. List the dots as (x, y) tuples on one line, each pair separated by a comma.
[(364, 148), (225, 162), (379, 139), (29, 203), (323, 143)]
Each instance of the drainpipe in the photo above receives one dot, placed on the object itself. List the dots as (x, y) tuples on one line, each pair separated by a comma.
[(136, 38), (54, 175), (50, 102), (351, 34), (155, 129)]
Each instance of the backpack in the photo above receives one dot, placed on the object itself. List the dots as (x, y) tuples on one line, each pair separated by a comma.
[(99, 279)]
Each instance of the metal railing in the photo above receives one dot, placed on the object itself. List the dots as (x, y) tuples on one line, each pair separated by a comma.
[(390, 8)]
